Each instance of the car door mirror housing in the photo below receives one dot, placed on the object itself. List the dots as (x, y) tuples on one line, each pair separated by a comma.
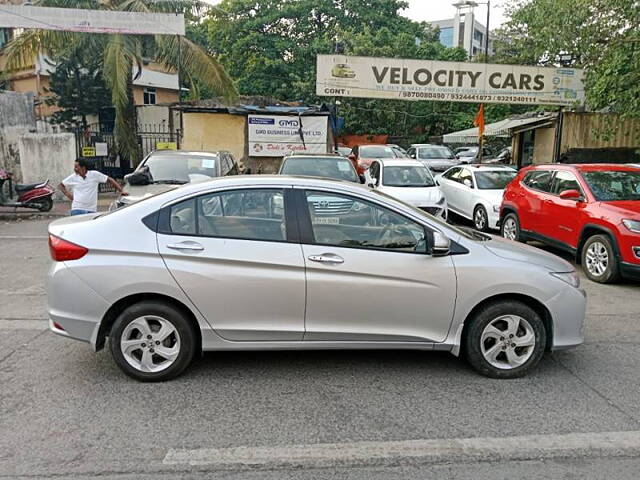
[(468, 183), (574, 195), (440, 244), (141, 177)]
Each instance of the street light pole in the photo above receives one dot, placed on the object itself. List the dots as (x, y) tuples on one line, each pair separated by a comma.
[(486, 37)]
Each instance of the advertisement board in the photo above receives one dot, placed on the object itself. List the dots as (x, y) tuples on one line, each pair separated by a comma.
[(400, 79), (90, 21), (278, 136)]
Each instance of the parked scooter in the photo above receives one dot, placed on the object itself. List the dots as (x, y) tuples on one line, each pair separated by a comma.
[(31, 195)]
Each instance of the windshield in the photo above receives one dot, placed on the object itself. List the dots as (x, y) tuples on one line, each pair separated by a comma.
[(338, 168), (435, 152), (494, 180), (377, 152), (470, 152), (614, 186), (180, 168), (407, 176)]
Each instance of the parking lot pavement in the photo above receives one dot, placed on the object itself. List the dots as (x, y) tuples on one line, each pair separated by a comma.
[(65, 411)]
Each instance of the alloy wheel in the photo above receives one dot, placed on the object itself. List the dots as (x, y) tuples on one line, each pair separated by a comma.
[(150, 343), (509, 230), (597, 258), (507, 342), (480, 219)]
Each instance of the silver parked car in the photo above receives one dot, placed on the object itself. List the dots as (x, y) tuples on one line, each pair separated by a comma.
[(248, 263), (164, 170)]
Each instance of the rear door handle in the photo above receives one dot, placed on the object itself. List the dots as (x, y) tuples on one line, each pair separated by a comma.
[(329, 258), (192, 246)]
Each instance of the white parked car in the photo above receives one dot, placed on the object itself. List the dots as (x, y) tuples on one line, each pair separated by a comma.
[(475, 192), (409, 181)]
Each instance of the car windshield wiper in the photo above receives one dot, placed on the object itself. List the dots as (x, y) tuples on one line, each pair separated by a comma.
[(170, 182)]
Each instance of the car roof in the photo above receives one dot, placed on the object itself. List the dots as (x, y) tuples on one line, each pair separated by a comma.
[(186, 153), (400, 162), (488, 168), (587, 167)]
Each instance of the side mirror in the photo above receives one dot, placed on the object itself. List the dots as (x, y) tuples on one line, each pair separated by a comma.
[(571, 195), (440, 245), (352, 157), (140, 177), (412, 155), (468, 183)]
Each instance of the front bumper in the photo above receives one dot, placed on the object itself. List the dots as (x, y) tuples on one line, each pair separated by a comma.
[(568, 311)]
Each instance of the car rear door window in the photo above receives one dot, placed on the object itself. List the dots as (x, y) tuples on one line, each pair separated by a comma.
[(565, 181), (539, 180), (344, 221), (251, 214)]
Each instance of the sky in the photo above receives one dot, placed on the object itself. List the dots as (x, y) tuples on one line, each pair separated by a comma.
[(430, 10)]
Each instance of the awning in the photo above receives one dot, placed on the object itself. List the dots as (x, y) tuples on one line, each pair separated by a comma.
[(503, 129)]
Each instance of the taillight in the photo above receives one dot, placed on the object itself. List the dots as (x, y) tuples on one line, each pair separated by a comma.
[(61, 250)]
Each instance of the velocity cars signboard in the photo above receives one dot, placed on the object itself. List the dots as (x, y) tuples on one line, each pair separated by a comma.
[(396, 78), (278, 136)]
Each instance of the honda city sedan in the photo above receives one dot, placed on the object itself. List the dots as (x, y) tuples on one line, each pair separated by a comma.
[(247, 263)]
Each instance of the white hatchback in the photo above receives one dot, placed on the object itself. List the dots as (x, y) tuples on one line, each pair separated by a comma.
[(475, 192), (409, 181)]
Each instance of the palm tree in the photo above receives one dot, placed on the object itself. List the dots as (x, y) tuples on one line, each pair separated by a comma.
[(122, 55)]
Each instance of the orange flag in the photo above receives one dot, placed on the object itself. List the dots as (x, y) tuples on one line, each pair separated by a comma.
[(479, 121)]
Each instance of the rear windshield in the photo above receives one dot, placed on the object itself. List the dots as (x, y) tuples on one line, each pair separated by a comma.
[(435, 152), (332, 167)]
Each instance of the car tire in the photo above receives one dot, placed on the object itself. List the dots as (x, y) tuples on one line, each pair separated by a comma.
[(599, 260), (488, 345), (166, 341), (510, 227), (480, 219)]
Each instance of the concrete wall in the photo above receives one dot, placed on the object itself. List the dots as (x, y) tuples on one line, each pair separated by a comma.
[(215, 131), (47, 156), (16, 118), (543, 145)]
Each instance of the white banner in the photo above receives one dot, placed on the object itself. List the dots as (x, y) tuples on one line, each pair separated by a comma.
[(396, 78), (90, 21), (278, 136)]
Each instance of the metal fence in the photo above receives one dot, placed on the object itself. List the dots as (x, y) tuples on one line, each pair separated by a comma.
[(100, 147)]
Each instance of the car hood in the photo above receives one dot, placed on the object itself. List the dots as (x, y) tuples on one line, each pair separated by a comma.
[(521, 252), (630, 208), (418, 197)]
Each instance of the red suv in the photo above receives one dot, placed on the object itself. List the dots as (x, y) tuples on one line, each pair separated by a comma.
[(592, 211)]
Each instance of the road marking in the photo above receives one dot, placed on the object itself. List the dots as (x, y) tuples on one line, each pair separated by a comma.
[(23, 324), (413, 451)]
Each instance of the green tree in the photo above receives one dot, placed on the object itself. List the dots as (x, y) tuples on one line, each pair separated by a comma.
[(121, 56), (270, 48), (601, 36), (77, 87)]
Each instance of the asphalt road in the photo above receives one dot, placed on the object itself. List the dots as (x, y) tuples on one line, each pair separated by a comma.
[(66, 412)]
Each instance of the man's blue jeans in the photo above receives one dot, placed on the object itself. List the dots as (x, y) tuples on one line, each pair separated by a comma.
[(80, 212)]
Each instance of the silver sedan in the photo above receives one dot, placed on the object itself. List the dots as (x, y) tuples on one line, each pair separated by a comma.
[(276, 262)]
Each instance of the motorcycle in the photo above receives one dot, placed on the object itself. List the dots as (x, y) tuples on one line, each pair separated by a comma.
[(30, 195)]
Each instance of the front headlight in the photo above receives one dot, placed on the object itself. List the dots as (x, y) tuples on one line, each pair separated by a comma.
[(496, 208), (571, 278), (632, 225)]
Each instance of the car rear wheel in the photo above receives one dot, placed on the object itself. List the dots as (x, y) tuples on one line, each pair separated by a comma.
[(599, 260), (480, 219), (510, 227), (152, 341), (505, 340)]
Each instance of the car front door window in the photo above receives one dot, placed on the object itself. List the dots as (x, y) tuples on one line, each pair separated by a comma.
[(343, 221)]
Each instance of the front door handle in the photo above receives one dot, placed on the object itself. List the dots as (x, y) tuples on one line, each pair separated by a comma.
[(192, 246), (329, 258)]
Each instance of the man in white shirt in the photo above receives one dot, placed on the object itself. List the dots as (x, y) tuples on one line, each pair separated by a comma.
[(84, 186)]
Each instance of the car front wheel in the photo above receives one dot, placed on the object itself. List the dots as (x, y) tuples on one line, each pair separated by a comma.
[(152, 341), (599, 260), (480, 218), (505, 340)]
